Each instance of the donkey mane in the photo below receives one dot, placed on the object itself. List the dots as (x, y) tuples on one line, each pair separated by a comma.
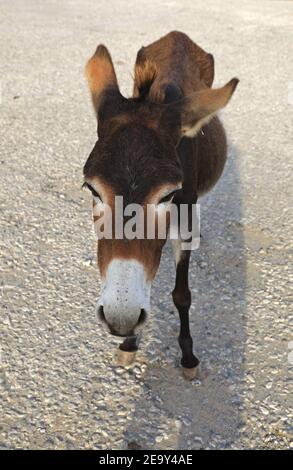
[(145, 73)]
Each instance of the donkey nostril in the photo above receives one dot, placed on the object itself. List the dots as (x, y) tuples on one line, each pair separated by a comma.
[(101, 314), (142, 317)]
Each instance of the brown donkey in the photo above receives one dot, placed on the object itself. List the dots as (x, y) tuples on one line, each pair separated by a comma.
[(164, 144)]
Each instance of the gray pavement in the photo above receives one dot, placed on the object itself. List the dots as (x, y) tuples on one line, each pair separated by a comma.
[(60, 387)]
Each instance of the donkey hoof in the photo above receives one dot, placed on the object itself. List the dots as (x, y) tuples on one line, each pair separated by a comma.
[(191, 373), (125, 358)]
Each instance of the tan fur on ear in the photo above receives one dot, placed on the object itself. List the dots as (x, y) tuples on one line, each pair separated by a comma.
[(199, 108), (100, 74)]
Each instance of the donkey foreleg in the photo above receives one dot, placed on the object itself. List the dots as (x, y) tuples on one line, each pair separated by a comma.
[(182, 300)]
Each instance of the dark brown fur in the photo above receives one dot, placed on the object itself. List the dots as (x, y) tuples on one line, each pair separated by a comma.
[(172, 59), (175, 59)]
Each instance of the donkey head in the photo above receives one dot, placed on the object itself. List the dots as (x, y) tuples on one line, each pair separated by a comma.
[(135, 157)]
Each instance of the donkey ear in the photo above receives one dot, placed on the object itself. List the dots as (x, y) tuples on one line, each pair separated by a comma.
[(199, 108), (100, 74)]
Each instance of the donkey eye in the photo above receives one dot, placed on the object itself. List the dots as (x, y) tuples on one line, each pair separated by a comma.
[(92, 190), (169, 196)]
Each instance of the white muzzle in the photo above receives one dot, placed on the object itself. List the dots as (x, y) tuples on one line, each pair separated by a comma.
[(125, 294)]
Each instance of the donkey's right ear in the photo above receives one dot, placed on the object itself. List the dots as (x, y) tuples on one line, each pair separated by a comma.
[(101, 77)]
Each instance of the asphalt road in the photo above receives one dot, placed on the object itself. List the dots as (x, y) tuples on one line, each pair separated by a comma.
[(60, 387)]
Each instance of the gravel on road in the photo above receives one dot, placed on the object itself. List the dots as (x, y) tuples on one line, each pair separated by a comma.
[(59, 384)]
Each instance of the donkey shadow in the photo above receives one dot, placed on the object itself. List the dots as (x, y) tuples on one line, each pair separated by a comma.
[(172, 413)]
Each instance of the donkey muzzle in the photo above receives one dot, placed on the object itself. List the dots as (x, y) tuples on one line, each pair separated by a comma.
[(125, 298)]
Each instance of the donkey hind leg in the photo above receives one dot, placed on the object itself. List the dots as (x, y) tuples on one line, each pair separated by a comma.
[(127, 351), (182, 300)]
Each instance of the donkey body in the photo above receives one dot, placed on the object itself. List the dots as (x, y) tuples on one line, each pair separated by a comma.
[(165, 141)]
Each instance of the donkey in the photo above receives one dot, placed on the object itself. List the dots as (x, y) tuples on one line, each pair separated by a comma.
[(165, 144)]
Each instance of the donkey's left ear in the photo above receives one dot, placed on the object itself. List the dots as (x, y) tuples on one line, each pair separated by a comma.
[(199, 108), (101, 76)]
